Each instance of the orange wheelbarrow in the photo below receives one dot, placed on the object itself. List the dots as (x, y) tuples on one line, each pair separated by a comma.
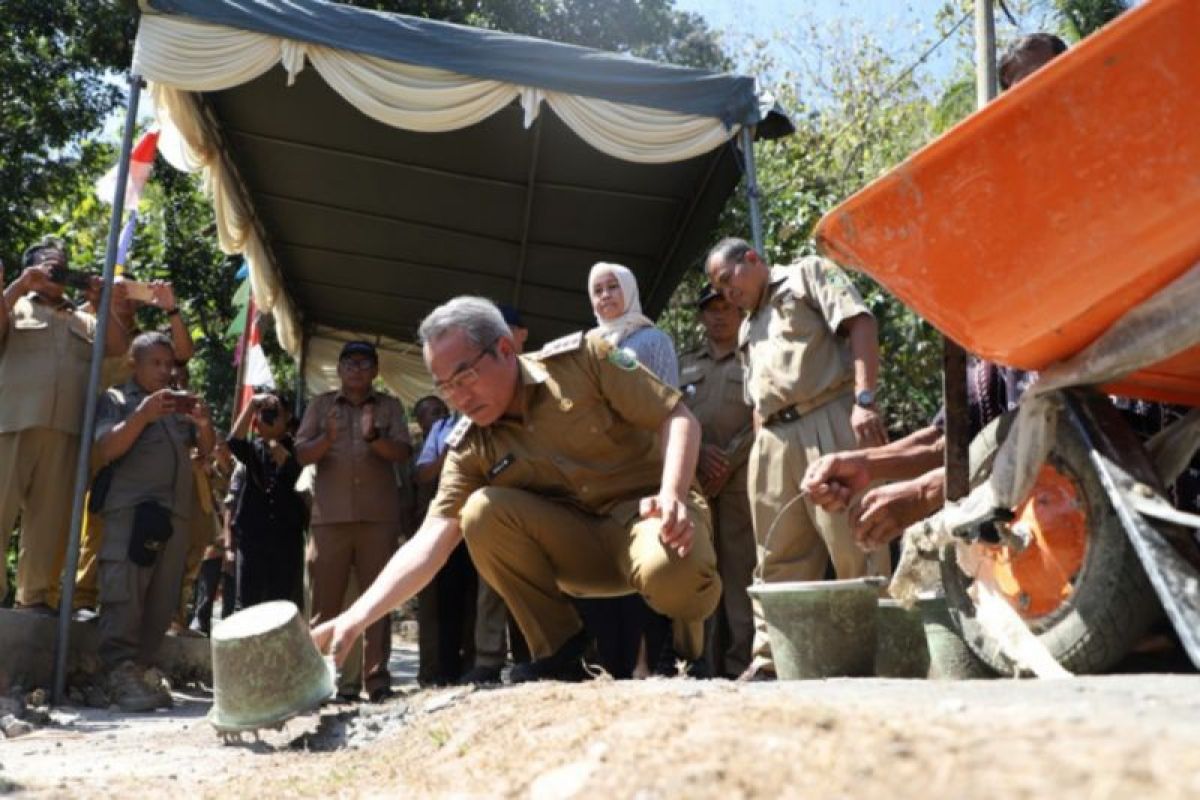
[(1026, 234)]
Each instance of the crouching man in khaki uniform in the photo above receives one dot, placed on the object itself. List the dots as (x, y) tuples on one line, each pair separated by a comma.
[(561, 487), (811, 357)]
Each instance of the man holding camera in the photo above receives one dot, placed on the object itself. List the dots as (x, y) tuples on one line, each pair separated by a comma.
[(145, 432), (354, 435), (45, 356)]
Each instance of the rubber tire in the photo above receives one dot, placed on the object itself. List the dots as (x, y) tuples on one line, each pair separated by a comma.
[(1113, 605)]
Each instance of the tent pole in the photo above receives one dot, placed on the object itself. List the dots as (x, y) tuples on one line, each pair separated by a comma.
[(747, 135), (82, 468)]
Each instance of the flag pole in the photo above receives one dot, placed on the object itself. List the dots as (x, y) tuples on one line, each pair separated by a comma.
[(83, 467)]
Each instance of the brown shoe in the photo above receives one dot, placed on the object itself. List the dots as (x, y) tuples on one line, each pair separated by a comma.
[(135, 688)]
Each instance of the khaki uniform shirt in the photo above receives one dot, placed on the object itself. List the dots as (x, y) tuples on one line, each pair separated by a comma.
[(45, 356), (158, 466), (714, 390), (587, 434), (790, 347), (352, 484)]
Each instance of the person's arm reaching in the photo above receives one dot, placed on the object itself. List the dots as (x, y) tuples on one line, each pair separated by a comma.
[(406, 573), (831, 480), (680, 437)]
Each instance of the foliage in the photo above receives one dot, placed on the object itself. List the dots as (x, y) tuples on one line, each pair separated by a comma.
[(1080, 18)]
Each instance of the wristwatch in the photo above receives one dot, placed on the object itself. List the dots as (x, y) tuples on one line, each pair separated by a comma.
[(865, 398)]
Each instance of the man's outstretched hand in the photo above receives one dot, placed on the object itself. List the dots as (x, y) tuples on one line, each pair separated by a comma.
[(335, 638)]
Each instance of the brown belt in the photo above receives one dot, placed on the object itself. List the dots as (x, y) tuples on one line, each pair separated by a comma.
[(798, 410)]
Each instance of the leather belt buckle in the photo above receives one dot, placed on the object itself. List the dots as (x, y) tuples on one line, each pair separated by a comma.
[(789, 414)]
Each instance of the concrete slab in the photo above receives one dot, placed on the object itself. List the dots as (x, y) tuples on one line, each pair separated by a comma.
[(27, 651)]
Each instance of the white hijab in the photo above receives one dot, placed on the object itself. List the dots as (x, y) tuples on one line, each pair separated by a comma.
[(632, 318)]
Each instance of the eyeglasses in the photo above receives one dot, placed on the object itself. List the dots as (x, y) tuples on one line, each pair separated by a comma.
[(465, 378), (358, 364)]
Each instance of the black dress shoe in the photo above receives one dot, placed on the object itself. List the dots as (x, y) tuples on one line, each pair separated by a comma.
[(565, 664), (481, 675), (380, 694)]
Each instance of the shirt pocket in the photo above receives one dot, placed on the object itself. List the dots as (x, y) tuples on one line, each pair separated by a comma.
[(734, 389), (797, 319), (691, 383), (79, 340)]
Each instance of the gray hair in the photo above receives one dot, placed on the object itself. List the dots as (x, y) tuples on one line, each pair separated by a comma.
[(477, 317), (144, 342), (731, 248)]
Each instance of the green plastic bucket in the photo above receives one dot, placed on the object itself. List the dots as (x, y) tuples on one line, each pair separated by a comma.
[(266, 669), (900, 648), (820, 629), (950, 658)]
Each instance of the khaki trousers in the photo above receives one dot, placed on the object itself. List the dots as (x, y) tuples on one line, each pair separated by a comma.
[(796, 539), (536, 551), (37, 477), (731, 645), (87, 577), (364, 547), (137, 603), (203, 530)]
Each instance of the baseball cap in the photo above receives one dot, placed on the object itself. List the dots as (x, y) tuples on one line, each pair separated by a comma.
[(707, 293), (359, 348), (512, 317)]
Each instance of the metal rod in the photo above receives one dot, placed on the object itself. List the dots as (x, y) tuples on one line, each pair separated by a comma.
[(82, 468), (985, 53), (756, 230), (954, 359)]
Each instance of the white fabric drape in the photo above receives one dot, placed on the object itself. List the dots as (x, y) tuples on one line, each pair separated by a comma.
[(179, 56), (202, 57)]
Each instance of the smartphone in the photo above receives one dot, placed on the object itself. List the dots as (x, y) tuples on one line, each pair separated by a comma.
[(138, 291), (184, 402)]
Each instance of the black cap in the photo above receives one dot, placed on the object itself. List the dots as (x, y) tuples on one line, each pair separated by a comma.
[(706, 294), (359, 348), (512, 317)]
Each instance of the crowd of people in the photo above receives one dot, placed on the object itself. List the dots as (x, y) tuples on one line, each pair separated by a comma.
[(602, 500)]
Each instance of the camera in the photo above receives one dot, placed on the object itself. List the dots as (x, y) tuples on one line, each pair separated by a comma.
[(69, 277), (269, 414)]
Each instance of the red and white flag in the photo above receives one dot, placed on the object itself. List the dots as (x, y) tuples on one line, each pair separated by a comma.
[(256, 371), (141, 161)]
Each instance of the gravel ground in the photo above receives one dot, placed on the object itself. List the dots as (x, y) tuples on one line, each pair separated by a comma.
[(1100, 737)]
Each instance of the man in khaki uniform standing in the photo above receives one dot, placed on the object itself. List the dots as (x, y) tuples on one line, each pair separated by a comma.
[(713, 388), (561, 487), (354, 435), (45, 357), (811, 356)]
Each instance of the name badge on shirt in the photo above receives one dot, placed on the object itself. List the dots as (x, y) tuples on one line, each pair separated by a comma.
[(501, 465)]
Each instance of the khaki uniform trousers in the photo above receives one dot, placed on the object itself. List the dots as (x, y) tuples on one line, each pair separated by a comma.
[(137, 603), (536, 551), (87, 577), (37, 477), (364, 547), (202, 531), (796, 539), (732, 641)]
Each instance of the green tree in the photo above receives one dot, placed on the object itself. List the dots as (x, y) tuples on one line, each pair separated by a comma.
[(1081, 18)]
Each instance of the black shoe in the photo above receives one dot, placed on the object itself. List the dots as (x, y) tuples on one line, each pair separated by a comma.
[(566, 664), (672, 665), (481, 675), (380, 694)]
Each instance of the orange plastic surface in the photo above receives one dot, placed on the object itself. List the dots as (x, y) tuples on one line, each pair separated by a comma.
[(1027, 229), (1040, 578)]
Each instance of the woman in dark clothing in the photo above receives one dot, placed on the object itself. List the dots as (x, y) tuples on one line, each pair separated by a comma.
[(269, 521)]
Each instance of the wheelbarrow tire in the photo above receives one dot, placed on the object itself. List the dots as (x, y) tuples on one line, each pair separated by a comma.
[(1113, 603)]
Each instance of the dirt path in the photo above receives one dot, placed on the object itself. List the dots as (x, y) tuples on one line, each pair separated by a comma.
[(1110, 737)]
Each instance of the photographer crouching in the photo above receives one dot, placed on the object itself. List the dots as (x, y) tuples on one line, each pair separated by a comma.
[(144, 434)]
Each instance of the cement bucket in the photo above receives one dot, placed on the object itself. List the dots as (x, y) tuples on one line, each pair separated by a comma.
[(900, 648), (820, 629), (265, 669), (950, 658)]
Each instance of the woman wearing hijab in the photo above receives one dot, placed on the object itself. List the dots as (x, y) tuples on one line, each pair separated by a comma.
[(620, 623), (613, 291)]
